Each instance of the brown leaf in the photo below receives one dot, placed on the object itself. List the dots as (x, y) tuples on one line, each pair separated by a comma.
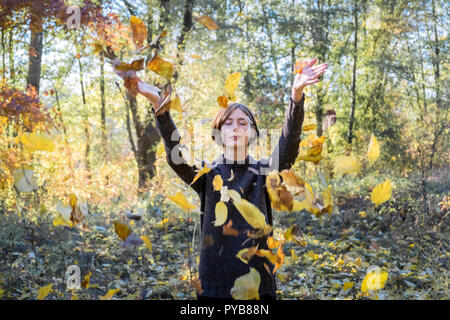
[(229, 231), (136, 65)]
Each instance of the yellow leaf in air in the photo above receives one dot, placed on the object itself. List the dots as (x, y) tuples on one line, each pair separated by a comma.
[(148, 243), (280, 258), (37, 142), (272, 243), (222, 101), (299, 205), (221, 214), (122, 230), (246, 287), (346, 164), (291, 178), (375, 280), (109, 294), (207, 22), (86, 283), (60, 221), (138, 31), (175, 103), (160, 67), (201, 172), (250, 212), (44, 291), (181, 201), (374, 149), (231, 85), (381, 193), (347, 285), (269, 255), (309, 127), (217, 182), (246, 254), (136, 65)]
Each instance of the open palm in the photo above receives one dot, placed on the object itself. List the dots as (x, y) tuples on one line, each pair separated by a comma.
[(309, 75)]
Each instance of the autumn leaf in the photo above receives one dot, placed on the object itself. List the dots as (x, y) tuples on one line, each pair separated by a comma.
[(109, 294), (160, 67), (272, 243), (381, 193), (375, 279), (246, 287), (347, 285), (231, 84), (217, 182), (227, 230), (181, 201), (175, 104), (221, 214), (148, 243), (298, 66), (251, 213), (222, 101), (309, 127), (280, 257), (136, 65), (44, 291), (246, 254), (122, 230), (292, 179), (138, 32), (374, 149), (281, 199), (37, 142), (202, 171), (207, 22), (346, 164), (60, 221), (269, 255), (87, 281)]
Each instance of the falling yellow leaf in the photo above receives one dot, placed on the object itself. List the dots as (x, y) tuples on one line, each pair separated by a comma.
[(347, 285), (375, 280), (246, 287), (207, 22), (272, 243), (362, 214), (87, 281), (292, 179), (222, 101), (231, 85), (309, 127), (201, 172), (136, 65), (281, 199), (269, 255), (346, 164), (109, 294), (250, 212), (181, 201), (175, 103), (374, 149), (37, 142), (60, 221), (246, 254), (122, 230), (138, 31), (160, 67), (217, 182), (221, 214), (44, 291), (280, 258), (381, 193), (148, 243)]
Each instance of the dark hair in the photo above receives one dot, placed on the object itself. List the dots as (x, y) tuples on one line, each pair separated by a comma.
[(223, 115)]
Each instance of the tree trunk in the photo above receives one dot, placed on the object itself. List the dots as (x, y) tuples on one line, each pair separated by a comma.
[(85, 124), (35, 59), (355, 57)]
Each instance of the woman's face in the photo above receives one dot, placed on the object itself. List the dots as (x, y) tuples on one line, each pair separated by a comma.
[(236, 130)]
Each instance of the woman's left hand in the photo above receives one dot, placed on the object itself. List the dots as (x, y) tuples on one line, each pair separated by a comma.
[(309, 75)]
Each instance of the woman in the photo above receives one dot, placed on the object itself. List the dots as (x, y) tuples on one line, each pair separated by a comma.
[(235, 129)]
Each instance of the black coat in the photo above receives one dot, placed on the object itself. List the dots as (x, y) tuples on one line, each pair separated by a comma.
[(219, 267)]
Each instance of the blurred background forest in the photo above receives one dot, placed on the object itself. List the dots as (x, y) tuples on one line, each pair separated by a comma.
[(73, 141)]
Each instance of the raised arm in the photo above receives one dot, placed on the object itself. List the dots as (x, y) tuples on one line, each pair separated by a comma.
[(286, 151), (171, 137)]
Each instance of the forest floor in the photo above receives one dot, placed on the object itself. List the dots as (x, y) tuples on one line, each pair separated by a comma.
[(329, 261)]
